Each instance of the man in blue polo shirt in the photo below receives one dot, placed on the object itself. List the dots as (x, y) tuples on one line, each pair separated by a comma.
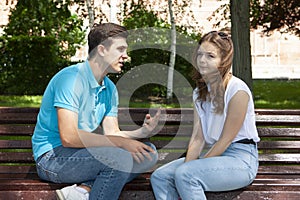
[(77, 100)]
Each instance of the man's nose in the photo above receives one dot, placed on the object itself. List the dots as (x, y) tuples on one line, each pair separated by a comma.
[(125, 56)]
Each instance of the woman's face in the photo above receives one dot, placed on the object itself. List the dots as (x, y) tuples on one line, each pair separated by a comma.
[(208, 58)]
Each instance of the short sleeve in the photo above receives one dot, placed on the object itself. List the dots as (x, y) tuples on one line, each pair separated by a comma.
[(68, 90)]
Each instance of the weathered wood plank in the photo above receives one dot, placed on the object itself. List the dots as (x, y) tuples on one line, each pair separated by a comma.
[(16, 130), (15, 144)]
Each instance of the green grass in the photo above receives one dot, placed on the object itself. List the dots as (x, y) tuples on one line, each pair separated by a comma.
[(276, 94), (20, 101)]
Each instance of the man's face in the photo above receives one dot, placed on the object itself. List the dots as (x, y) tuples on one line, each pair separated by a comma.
[(116, 55)]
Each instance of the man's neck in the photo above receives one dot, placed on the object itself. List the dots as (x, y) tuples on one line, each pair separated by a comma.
[(98, 70)]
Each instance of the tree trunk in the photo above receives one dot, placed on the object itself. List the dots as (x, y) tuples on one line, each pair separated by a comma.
[(113, 11), (172, 55), (240, 32), (90, 7)]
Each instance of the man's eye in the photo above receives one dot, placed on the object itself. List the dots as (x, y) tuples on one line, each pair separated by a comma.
[(122, 49)]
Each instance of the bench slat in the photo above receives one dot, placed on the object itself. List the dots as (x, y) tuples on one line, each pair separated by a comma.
[(164, 157), (15, 144), (278, 132), (183, 117), (16, 157), (263, 170), (287, 158), (280, 145), (278, 120), (16, 130), (27, 130)]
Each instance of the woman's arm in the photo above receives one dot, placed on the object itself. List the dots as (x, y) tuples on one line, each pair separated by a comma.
[(197, 141), (237, 109)]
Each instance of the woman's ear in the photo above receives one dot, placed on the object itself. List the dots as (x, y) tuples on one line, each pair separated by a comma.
[(101, 50)]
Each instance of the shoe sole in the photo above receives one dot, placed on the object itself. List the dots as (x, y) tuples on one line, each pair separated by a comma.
[(59, 195)]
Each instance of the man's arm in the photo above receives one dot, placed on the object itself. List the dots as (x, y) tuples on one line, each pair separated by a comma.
[(73, 137), (111, 127)]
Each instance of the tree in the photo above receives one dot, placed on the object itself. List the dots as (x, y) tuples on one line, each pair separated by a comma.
[(47, 18), (281, 15), (172, 55), (240, 31), (39, 40), (270, 15), (90, 8)]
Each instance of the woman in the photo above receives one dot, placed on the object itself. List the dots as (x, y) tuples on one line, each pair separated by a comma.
[(224, 121)]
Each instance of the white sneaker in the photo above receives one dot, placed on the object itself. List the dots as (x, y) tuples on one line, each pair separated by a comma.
[(71, 193)]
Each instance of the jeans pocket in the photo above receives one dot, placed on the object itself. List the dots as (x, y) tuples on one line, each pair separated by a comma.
[(46, 174)]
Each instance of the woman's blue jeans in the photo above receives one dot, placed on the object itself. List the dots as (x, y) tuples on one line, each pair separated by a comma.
[(235, 168), (105, 169)]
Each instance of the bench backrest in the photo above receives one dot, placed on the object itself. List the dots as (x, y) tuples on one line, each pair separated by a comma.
[(279, 131)]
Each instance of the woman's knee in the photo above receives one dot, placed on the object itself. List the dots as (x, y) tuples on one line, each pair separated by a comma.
[(182, 173)]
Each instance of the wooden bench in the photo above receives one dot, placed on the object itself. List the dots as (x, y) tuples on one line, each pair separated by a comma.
[(278, 176)]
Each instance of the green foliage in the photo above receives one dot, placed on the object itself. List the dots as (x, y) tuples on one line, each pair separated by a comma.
[(149, 42), (47, 18), (276, 14), (27, 63), (41, 37), (282, 15)]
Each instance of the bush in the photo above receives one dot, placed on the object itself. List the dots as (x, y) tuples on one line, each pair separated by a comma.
[(28, 63)]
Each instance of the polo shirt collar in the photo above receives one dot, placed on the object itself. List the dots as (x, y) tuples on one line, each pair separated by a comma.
[(91, 78)]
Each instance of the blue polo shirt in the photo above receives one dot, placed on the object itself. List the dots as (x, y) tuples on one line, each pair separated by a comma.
[(74, 88)]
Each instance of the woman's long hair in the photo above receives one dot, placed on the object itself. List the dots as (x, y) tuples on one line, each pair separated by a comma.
[(217, 90)]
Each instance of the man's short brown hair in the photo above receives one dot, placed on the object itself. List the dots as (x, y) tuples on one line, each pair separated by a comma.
[(101, 34)]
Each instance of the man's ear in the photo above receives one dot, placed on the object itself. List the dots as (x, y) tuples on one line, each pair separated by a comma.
[(101, 50)]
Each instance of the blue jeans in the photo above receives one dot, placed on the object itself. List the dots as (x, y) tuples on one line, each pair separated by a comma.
[(235, 168), (104, 169)]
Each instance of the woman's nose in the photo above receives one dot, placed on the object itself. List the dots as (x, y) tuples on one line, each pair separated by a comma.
[(201, 58)]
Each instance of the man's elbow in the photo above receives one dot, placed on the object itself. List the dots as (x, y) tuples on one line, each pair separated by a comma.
[(68, 141)]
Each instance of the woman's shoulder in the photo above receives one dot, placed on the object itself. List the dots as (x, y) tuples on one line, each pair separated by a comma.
[(236, 84)]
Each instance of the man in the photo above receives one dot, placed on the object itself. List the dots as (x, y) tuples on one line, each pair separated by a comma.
[(76, 101)]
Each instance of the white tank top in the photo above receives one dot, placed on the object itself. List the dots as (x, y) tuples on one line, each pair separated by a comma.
[(212, 124)]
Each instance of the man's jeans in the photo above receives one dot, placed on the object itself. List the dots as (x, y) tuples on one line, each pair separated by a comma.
[(105, 169), (235, 168)]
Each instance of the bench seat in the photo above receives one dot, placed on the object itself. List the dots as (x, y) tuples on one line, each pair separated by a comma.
[(278, 175)]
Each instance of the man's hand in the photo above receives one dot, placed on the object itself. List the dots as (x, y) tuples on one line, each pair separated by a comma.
[(150, 123), (138, 149)]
